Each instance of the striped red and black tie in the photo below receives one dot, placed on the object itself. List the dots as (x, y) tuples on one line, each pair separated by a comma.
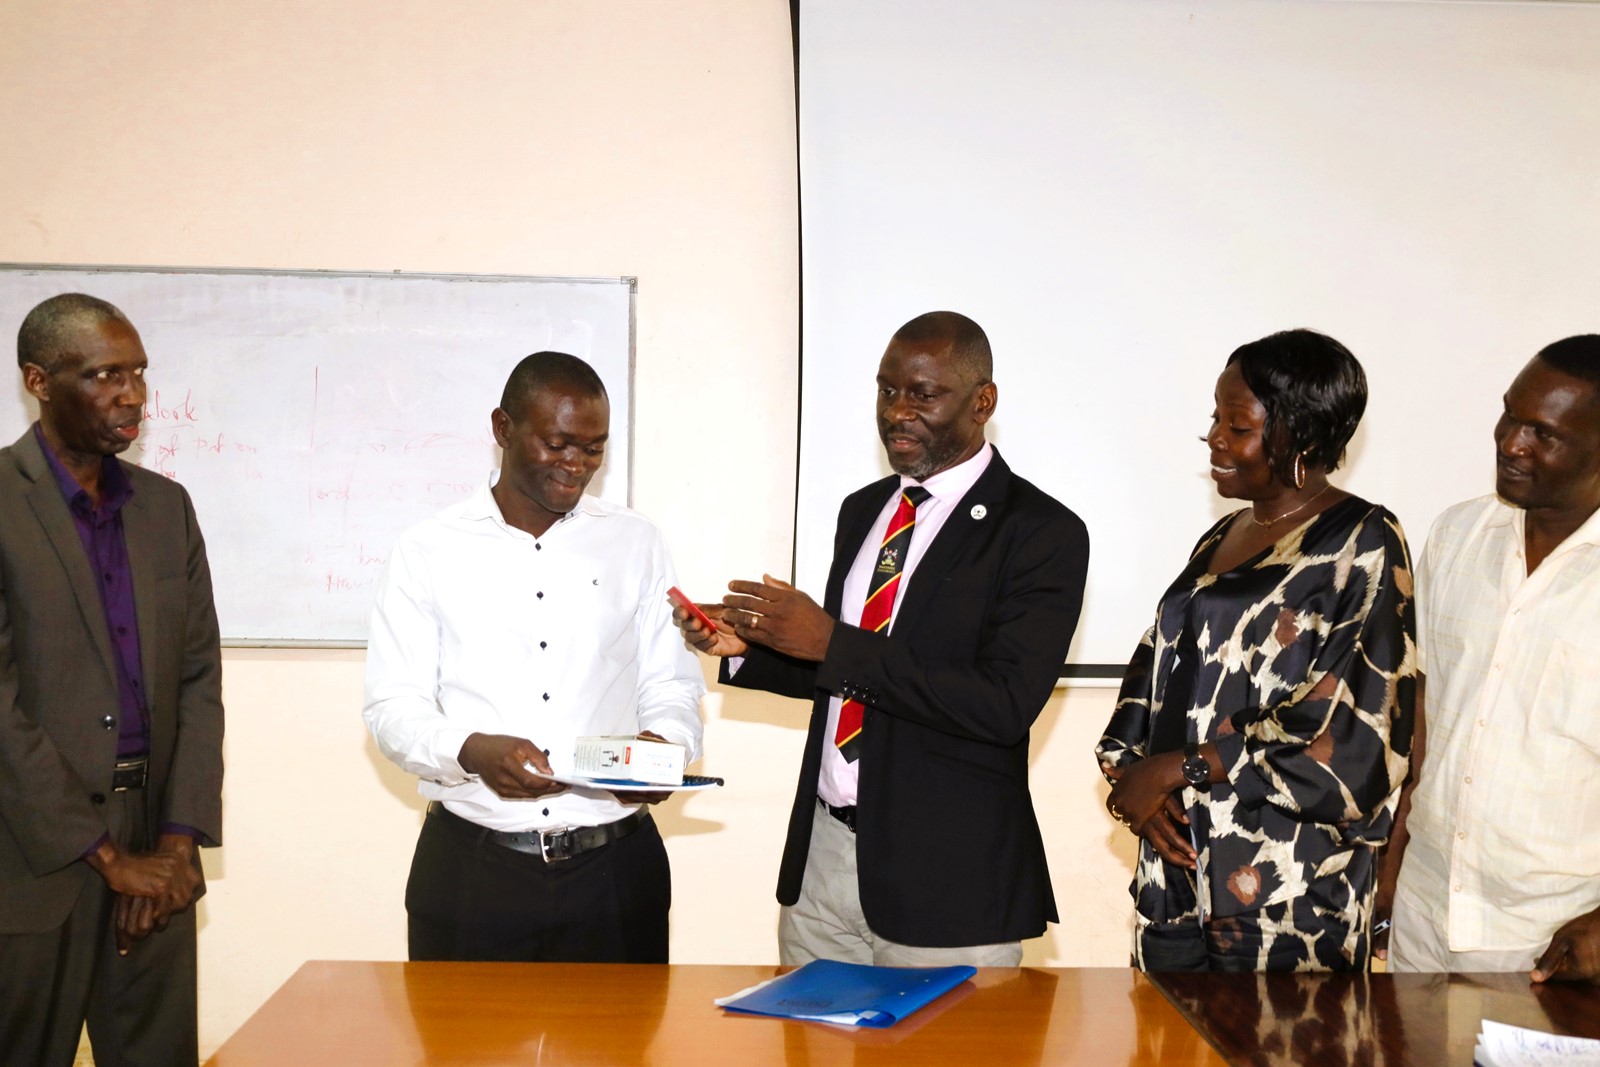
[(878, 611)]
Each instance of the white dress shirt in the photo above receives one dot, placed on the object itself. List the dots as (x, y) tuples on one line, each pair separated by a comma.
[(838, 779), (1505, 821), (480, 627)]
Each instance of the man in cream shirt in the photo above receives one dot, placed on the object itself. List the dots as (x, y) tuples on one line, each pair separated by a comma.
[(1502, 869), (506, 627)]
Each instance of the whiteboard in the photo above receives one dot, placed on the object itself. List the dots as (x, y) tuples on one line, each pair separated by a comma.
[(313, 417), (1123, 193)]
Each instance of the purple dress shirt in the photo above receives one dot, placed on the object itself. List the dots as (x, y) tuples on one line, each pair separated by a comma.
[(100, 530)]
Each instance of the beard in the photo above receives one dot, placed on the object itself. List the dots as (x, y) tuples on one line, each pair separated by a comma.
[(938, 452)]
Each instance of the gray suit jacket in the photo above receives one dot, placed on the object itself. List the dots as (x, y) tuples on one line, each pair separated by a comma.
[(58, 687)]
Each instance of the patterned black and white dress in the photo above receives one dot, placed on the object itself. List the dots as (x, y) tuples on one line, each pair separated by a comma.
[(1300, 664)]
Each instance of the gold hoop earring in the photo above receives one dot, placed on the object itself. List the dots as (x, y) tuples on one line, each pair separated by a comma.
[(1299, 471)]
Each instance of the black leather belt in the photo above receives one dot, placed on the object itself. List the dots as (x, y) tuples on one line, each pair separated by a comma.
[(844, 815), (550, 845), (131, 773)]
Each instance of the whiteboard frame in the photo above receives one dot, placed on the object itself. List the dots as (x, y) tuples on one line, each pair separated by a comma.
[(631, 281)]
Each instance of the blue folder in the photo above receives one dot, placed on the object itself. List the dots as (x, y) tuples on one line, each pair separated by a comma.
[(851, 994)]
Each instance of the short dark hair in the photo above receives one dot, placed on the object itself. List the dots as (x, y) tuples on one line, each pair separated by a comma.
[(47, 331), (1314, 391), (969, 345), (1577, 356), (548, 370)]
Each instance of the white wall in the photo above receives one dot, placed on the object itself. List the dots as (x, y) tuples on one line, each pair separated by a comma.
[(632, 137), (1123, 193)]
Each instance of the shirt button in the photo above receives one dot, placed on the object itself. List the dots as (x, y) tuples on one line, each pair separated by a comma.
[(122, 629), (1461, 835), (1497, 666), (540, 595), (537, 547), (108, 722), (108, 577), (1467, 779), (541, 644), (1483, 722), (547, 811), (547, 696), (1455, 889), (98, 798)]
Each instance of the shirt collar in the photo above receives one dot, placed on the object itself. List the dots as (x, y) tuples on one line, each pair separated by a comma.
[(116, 488), (952, 483), (1517, 518), (1588, 533), (481, 505)]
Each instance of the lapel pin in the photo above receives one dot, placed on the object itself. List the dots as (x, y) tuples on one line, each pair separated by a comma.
[(979, 511)]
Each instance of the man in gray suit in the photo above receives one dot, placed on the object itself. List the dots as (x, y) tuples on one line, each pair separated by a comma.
[(110, 712)]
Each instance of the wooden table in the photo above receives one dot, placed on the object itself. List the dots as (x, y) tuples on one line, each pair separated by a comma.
[(1391, 1020), (616, 1015)]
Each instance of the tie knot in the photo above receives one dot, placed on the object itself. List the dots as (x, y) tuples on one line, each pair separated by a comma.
[(916, 494)]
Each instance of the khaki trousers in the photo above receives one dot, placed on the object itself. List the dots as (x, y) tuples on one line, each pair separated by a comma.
[(827, 923)]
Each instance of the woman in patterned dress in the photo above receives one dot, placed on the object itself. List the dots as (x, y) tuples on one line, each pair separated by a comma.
[(1264, 724)]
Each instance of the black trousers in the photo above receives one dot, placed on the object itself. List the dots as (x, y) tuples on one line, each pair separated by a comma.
[(1171, 947), (469, 898), (140, 1008)]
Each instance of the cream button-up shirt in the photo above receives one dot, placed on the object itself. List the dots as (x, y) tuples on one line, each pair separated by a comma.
[(1505, 820)]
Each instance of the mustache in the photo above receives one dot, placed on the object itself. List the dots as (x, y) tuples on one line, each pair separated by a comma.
[(889, 429)]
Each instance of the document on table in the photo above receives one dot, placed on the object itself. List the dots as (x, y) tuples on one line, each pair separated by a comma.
[(847, 994), (1500, 1045)]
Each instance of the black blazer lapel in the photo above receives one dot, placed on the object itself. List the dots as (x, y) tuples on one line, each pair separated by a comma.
[(988, 493), (854, 527)]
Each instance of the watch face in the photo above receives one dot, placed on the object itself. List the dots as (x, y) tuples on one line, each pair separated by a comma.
[(1196, 770)]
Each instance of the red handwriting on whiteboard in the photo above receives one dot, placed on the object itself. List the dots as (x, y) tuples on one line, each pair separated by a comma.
[(182, 411), (167, 455), (338, 583)]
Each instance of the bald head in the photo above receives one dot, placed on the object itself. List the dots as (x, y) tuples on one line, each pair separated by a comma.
[(969, 345), (53, 327)]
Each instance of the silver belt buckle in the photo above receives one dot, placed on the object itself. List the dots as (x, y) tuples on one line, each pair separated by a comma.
[(561, 838), (129, 774)]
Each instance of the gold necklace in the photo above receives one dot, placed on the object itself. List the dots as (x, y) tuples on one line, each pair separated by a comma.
[(1251, 514)]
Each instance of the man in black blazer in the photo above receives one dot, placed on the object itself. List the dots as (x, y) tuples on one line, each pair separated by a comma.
[(913, 839), (110, 712)]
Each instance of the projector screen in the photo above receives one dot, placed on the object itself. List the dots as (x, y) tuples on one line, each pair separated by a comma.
[(1122, 193)]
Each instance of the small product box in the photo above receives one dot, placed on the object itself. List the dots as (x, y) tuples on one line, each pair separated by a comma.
[(657, 762)]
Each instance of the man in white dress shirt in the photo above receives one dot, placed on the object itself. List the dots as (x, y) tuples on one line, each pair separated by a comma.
[(1502, 869), (505, 627)]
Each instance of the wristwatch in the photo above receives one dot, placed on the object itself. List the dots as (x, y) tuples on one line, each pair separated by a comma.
[(1196, 771)]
